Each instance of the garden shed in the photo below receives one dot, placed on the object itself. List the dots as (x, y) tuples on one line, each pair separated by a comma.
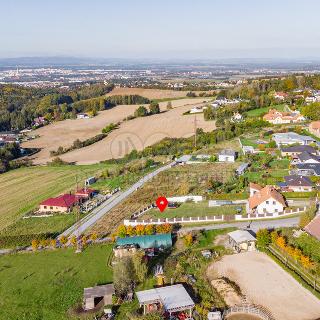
[(242, 240), (94, 296), (147, 241), (172, 299)]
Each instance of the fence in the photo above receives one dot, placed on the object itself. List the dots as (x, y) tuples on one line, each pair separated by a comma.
[(185, 199), (294, 266), (142, 211), (221, 218), (249, 309)]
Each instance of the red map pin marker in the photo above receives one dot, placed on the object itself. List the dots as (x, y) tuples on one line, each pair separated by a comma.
[(162, 203)]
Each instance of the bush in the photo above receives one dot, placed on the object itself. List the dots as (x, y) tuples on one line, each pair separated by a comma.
[(141, 112)]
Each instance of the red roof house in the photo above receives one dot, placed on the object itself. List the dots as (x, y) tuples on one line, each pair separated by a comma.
[(84, 193), (63, 203)]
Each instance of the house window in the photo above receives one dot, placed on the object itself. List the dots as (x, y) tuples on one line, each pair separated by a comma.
[(267, 202), (51, 208), (273, 202), (275, 210), (264, 210), (45, 207)]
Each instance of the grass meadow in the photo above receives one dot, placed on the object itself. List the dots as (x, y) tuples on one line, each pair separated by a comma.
[(261, 111), (190, 209), (49, 284)]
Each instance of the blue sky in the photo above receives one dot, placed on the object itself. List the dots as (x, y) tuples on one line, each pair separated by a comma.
[(160, 28)]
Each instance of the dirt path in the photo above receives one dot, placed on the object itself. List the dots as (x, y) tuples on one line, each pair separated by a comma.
[(265, 283)]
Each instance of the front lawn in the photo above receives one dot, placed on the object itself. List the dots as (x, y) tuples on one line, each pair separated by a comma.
[(46, 285), (190, 209), (261, 111)]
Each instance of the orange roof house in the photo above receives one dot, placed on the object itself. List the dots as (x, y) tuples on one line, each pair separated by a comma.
[(314, 128), (278, 117), (266, 200), (313, 227)]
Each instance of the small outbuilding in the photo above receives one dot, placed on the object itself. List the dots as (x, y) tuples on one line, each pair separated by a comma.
[(242, 240), (97, 296), (172, 299), (227, 155), (216, 315), (242, 168)]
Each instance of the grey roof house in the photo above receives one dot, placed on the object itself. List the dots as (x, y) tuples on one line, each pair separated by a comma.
[(287, 138), (307, 169), (296, 150), (306, 157)]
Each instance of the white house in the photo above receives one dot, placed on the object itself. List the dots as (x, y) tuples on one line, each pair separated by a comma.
[(266, 200), (227, 155), (237, 117), (83, 116), (197, 109)]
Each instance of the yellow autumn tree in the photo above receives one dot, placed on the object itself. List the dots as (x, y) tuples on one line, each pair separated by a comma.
[(35, 244), (122, 231), (306, 262), (188, 240), (297, 254), (140, 230), (73, 240), (131, 231), (281, 242)]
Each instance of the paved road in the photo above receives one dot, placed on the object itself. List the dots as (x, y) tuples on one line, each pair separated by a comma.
[(254, 225), (109, 204)]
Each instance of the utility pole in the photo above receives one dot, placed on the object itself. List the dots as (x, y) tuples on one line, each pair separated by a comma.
[(77, 209), (195, 131)]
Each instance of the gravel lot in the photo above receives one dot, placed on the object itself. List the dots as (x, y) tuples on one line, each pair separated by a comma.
[(267, 284)]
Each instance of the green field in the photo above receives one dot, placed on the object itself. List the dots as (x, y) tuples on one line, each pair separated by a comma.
[(46, 285), (190, 209), (268, 176), (22, 191), (261, 111)]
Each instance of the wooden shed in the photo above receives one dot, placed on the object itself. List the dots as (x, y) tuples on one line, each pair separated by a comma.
[(97, 296)]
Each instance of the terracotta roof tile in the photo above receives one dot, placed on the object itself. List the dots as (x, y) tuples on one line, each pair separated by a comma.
[(313, 227), (264, 194)]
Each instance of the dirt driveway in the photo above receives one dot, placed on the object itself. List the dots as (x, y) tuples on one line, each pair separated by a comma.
[(267, 284)]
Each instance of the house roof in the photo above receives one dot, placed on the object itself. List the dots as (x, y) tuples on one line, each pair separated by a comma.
[(64, 201), (241, 236), (255, 186), (315, 125), (305, 156), (313, 227), (264, 194), (291, 136), (148, 241), (184, 158), (84, 191), (299, 149), (310, 166), (296, 181), (242, 167), (98, 291), (173, 298), (227, 152)]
